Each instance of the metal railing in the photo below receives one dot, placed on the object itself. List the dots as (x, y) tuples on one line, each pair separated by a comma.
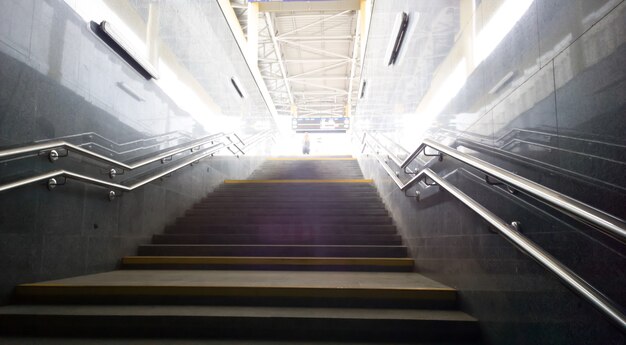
[(608, 224), (600, 220), (51, 148), (194, 147)]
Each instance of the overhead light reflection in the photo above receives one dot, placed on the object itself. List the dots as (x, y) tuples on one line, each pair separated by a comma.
[(448, 89), (500, 24)]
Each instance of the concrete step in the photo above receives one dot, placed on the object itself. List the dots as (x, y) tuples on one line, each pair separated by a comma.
[(274, 250), (153, 340), (239, 211), (299, 198), (268, 263), (238, 322), (299, 184), (293, 193), (246, 204), (293, 229), (307, 172), (284, 288), (285, 219), (277, 238)]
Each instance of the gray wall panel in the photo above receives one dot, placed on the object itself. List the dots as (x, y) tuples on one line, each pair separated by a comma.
[(57, 78), (567, 60)]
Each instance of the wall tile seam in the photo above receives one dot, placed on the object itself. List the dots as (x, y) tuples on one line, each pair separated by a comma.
[(557, 53), (541, 66)]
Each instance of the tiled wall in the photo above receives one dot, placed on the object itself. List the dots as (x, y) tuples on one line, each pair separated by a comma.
[(57, 78), (559, 120)]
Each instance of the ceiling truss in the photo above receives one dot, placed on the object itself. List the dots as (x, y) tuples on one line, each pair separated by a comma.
[(309, 59)]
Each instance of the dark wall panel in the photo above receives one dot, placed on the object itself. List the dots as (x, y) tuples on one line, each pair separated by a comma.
[(57, 78), (558, 121)]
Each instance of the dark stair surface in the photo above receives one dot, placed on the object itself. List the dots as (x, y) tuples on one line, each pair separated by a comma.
[(302, 251)]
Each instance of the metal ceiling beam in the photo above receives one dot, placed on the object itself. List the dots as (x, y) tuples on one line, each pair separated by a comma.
[(314, 93), (302, 60), (322, 105), (355, 52), (318, 99), (312, 24), (321, 30), (312, 15), (343, 77), (316, 38), (270, 28), (340, 91), (316, 70), (315, 50)]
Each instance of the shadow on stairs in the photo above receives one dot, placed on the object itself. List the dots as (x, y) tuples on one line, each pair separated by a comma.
[(302, 251)]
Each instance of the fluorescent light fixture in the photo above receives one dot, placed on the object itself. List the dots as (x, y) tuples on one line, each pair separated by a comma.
[(398, 33), (500, 24), (501, 83), (237, 88), (118, 39), (130, 91), (448, 89)]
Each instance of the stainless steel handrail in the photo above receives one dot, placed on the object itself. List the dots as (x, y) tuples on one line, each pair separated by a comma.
[(103, 183), (56, 144), (602, 221), (118, 145), (87, 179), (608, 224), (536, 163), (569, 278), (521, 130), (158, 141)]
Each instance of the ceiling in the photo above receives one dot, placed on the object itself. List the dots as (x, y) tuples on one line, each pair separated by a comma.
[(393, 91), (308, 55)]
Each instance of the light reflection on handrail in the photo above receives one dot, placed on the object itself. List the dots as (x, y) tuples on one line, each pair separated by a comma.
[(606, 223), (87, 179), (612, 311), (61, 144)]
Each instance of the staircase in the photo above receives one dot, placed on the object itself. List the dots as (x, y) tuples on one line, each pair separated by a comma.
[(302, 251)]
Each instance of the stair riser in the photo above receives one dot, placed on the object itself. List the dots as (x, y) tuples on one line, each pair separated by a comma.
[(311, 200), (200, 231), (311, 302), (251, 219), (289, 229), (294, 192), (298, 187), (244, 205), (277, 239), (316, 175), (274, 251), (287, 212), (343, 268), (238, 327)]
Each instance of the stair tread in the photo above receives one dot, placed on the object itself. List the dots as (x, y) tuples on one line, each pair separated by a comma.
[(257, 279), (239, 311), (234, 260), (17, 340)]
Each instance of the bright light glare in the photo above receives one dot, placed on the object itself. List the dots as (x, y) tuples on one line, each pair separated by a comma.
[(505, 18), (322, 144), (97, 11), (184, 96), (448, 89), (179, 91)]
